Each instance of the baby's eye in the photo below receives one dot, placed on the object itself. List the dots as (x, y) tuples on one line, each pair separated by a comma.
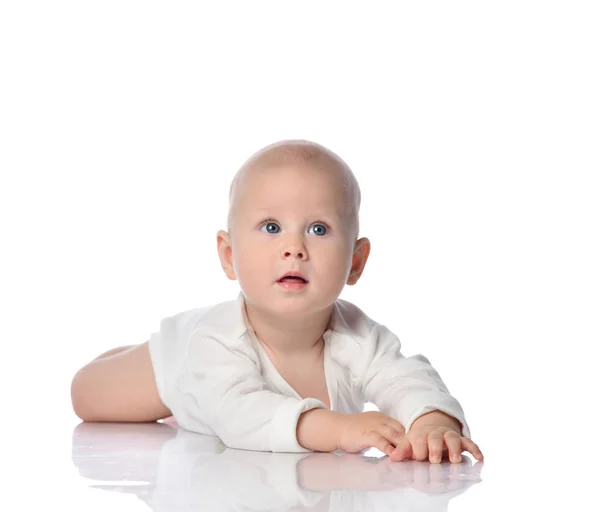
[(270, 224), (321, 229)]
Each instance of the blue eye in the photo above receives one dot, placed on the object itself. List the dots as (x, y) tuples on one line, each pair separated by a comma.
[(322, 230), (270, 224)]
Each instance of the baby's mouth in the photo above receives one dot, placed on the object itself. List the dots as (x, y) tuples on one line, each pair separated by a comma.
[(292, 278)]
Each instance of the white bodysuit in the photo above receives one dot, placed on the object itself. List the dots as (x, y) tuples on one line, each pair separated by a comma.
[(217, 379)]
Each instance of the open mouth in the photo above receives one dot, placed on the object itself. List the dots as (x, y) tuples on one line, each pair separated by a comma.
[(292, 279)]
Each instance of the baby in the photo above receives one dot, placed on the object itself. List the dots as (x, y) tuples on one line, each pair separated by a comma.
[(287, 366)]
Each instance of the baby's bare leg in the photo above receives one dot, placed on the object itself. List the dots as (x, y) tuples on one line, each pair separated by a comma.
[(118, 386), (114, 351)]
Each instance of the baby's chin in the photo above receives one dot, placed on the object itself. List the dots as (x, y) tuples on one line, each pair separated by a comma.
[(299, 304), (281, 300)]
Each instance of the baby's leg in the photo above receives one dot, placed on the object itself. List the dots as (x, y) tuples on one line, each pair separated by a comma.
[(114, 351), (118, 386)]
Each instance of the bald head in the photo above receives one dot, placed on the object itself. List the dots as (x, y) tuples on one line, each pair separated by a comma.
[(299, 153)]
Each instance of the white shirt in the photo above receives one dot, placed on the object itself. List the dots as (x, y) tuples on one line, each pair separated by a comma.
[(217, 379)]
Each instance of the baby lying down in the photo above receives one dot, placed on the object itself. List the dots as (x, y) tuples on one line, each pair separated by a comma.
[(287, 366)]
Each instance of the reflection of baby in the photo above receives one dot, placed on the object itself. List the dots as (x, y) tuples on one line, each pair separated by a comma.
[(287, 366), (188, 470)]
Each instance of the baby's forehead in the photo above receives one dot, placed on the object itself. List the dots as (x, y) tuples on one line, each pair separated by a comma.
[(271, 177), (300, 189), (329, 211)]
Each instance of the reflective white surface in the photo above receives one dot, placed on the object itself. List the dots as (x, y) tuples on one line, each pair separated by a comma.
[(172, 469), (155, 467)]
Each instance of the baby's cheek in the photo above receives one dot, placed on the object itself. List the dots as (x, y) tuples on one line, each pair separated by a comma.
[(251, 269), (331, 286)]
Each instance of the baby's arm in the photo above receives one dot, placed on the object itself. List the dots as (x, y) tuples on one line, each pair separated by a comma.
[(405, 387), (118, 386), (411, 390)]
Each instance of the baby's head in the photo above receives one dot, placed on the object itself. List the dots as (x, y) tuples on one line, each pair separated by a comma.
[(293, 206)]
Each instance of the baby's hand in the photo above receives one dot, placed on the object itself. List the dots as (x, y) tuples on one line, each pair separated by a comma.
[(362, 430), (436, 441)]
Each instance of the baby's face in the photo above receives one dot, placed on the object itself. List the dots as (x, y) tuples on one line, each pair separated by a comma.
[(291, 218)]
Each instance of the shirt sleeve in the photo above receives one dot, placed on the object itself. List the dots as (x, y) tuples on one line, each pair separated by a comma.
[(406, 387), (221, 390)]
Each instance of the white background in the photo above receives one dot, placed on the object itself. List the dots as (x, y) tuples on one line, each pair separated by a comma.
[(472, 127)]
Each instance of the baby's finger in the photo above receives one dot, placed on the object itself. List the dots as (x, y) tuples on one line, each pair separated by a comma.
[(420, 446), (472, 448), (403, 450), (381, 443), (436, 447), (453, 442), (391, 434)]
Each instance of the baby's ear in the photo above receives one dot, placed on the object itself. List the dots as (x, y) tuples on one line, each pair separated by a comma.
[(224, 251), (362, 249)]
